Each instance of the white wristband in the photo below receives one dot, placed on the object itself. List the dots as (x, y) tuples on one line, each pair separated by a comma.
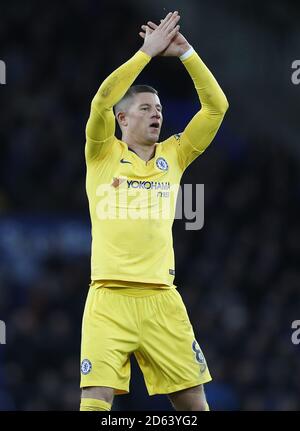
[(187, 54)]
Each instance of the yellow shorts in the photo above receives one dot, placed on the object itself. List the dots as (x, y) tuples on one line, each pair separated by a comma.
[(156, 329)]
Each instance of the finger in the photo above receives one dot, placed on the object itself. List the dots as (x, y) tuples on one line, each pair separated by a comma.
[(168, 16), (144, 27), (170, 27), (166, 19), (142, 34), (172, 23), (173, 32), (152, 25)]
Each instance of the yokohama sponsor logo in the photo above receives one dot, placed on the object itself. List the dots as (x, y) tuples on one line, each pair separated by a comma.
[(148, 185)]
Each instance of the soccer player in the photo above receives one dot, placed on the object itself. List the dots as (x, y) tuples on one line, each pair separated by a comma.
[(132, 305)]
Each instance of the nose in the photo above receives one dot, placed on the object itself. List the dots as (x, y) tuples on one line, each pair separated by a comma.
[(156, 114)]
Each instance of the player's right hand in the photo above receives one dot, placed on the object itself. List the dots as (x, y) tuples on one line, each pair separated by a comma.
[(157, 41)]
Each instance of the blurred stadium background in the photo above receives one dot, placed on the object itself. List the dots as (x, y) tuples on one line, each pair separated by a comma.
[(239, 275)]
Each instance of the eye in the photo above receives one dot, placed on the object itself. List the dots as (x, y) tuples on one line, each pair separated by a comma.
[(144, 109)]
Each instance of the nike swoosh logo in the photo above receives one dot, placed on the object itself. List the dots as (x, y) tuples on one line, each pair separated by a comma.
[(125, 161)]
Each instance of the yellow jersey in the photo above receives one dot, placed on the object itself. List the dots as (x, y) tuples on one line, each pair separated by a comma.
[(132, 202)]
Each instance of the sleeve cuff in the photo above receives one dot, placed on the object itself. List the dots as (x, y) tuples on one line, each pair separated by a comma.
[(187, 54), (143, 54)]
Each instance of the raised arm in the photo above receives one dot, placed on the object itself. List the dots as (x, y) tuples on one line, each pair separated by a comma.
[(100, 127), (202, 128)]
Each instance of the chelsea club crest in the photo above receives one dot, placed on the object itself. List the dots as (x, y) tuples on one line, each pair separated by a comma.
[(162, 164), (86, 366)]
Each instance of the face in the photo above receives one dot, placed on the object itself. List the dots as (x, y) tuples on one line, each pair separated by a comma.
[(143, 119)]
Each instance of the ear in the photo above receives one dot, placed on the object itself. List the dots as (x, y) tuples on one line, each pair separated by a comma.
[(122, 120)]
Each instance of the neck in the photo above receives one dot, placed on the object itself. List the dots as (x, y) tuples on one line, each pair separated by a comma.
[(145, 152)]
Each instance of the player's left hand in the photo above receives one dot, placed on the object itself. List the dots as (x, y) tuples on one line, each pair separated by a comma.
[(178, 45)]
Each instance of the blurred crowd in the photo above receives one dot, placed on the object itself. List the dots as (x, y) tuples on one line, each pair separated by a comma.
[(239, 275)]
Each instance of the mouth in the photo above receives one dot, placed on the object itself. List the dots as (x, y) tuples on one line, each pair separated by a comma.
[(155, 126)]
